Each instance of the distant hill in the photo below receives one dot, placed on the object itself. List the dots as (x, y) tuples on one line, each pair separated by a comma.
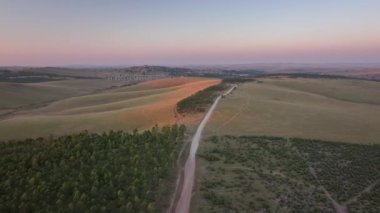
[(148, 72), (23, 76)]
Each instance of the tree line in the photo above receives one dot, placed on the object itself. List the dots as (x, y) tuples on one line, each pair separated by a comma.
[(200, 101)]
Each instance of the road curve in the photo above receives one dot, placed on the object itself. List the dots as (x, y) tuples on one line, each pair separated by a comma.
[(183, 205)]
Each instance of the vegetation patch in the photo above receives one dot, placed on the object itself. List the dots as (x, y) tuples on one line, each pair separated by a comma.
[(200, 101), (32, 77), (272, 174), (308, 75), (113, 172), (239, 80)]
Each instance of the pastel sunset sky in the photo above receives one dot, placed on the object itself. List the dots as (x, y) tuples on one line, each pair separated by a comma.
[(175, 32)]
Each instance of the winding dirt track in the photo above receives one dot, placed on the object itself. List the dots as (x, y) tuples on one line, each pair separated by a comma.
[(183, 205)]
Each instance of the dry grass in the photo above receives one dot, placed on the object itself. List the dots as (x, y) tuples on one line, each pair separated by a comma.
[(14, 95), (335, 110), (163, 83), (140, 106)]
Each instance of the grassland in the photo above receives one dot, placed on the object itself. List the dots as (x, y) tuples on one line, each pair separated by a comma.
[(29, 95), (269, 174), (327, 109), (140, 106)]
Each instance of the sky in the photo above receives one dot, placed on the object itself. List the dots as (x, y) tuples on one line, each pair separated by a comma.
[(179, 32)]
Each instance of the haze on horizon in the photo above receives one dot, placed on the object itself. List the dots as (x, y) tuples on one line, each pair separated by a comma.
[(95, 32)]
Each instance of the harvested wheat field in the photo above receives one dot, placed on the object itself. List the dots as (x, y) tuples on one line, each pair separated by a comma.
[(326, 109), (135, 107)]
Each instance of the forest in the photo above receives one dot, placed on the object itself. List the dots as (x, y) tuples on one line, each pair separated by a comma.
[(113, 171)]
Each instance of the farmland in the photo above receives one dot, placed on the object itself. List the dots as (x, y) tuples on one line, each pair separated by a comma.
[(299, 144), (31, 95), (125, 108), (271, 143), (326, 109)]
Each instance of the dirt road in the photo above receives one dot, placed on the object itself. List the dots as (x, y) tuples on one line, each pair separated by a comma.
[(184, 201)]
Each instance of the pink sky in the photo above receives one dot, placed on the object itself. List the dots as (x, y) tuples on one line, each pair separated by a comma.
[(95, 33)]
